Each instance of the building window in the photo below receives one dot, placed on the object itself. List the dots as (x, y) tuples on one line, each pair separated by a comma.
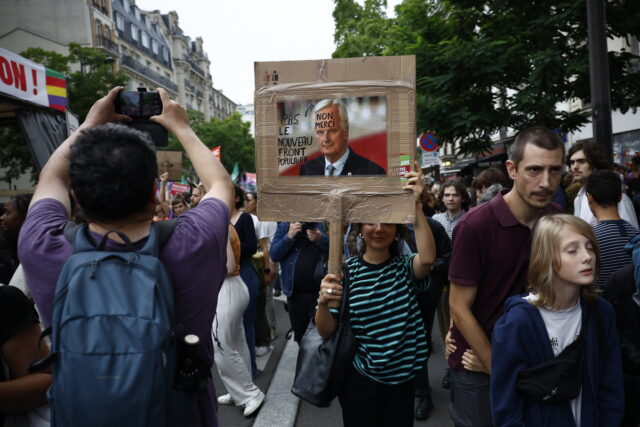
[(145, 39), (165, 53), (98, 31), (154, 46), (107, 33), (119, 22), (137, 12), (134, 32)]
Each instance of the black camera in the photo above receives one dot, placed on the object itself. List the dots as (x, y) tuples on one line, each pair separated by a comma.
[(140, 105)]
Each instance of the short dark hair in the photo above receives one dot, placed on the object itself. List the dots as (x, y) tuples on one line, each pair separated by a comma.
[(605, 187), (112, 171), (593, 152), (539, 136), (488, 177), (239, 196), (458, 184)]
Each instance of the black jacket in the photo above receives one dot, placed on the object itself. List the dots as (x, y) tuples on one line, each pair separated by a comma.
[(355, 165)]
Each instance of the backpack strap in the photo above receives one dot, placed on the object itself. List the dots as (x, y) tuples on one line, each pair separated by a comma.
[(165, 228), (164, 231), (70, 230)]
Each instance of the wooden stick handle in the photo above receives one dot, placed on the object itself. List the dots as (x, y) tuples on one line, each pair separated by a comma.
[(335, 252)]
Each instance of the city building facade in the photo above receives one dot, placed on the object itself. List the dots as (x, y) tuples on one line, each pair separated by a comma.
[(148, 46)]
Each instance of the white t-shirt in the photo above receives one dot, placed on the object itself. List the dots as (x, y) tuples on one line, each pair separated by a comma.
[(563, 327)]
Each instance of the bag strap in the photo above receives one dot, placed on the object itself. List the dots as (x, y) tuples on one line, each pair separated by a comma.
[(42, 364), (165, 228), (164, 231), (343, 317)]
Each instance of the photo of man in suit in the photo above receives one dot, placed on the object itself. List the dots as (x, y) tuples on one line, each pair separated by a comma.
[(331, 129)]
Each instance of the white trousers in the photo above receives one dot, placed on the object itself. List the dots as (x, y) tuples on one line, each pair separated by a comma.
[(233, 360)]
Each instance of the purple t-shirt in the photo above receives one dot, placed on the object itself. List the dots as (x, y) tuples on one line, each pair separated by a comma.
[(194, 257), (491, 251)]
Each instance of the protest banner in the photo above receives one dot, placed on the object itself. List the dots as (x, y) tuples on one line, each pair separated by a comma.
[(29, 81), (178, 188), (301, 107)]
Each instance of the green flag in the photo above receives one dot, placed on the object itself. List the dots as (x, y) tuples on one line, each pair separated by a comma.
[(236, 172)]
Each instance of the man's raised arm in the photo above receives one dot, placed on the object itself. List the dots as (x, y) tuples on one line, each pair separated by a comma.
[(212, 174), (54, 177)]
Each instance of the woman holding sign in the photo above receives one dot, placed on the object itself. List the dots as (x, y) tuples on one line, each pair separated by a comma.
[(385, 319)]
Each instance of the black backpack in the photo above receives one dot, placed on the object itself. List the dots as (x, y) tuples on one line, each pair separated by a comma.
[(619, 292)]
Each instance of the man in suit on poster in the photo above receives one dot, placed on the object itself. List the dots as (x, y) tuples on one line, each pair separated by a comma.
[(331, 129)]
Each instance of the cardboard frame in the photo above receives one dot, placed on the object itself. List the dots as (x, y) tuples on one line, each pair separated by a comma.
[(343, 198), (170, 161)]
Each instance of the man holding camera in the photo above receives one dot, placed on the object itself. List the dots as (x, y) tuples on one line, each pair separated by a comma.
[(111, 171), (300, 248)]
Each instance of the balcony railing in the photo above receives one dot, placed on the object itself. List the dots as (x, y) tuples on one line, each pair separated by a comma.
[(101, 7), (131, 63), (196, 68), (189, 86), (107, 44)]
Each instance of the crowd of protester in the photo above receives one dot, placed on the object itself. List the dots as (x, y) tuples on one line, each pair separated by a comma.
[(513, 262)]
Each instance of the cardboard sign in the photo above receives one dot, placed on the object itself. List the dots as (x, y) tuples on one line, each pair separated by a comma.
[(170, 161), (334, 138)]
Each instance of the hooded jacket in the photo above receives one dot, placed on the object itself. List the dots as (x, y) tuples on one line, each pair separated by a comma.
[(520, 341)]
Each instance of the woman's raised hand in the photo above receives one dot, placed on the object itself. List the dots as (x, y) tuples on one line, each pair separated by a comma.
[(414, 181)]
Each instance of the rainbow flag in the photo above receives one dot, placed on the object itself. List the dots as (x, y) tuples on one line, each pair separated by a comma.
[(57, 90)]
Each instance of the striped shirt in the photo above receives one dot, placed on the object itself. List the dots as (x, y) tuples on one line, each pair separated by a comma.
[(392, 344), (612, 235)]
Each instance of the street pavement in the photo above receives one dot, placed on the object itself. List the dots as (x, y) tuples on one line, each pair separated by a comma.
[(282, 409)]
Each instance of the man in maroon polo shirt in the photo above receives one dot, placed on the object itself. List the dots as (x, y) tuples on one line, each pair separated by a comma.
[(491, 248)]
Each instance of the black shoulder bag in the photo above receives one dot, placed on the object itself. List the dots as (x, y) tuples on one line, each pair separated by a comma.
[(559, 380), (322, 365)]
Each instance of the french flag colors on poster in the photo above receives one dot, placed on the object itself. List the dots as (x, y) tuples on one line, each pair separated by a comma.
[(31, 82)]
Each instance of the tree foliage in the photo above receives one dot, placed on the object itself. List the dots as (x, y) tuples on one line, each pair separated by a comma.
[(231, 134), (15, 156), (487, 65), (92, 81), (84, 87)]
